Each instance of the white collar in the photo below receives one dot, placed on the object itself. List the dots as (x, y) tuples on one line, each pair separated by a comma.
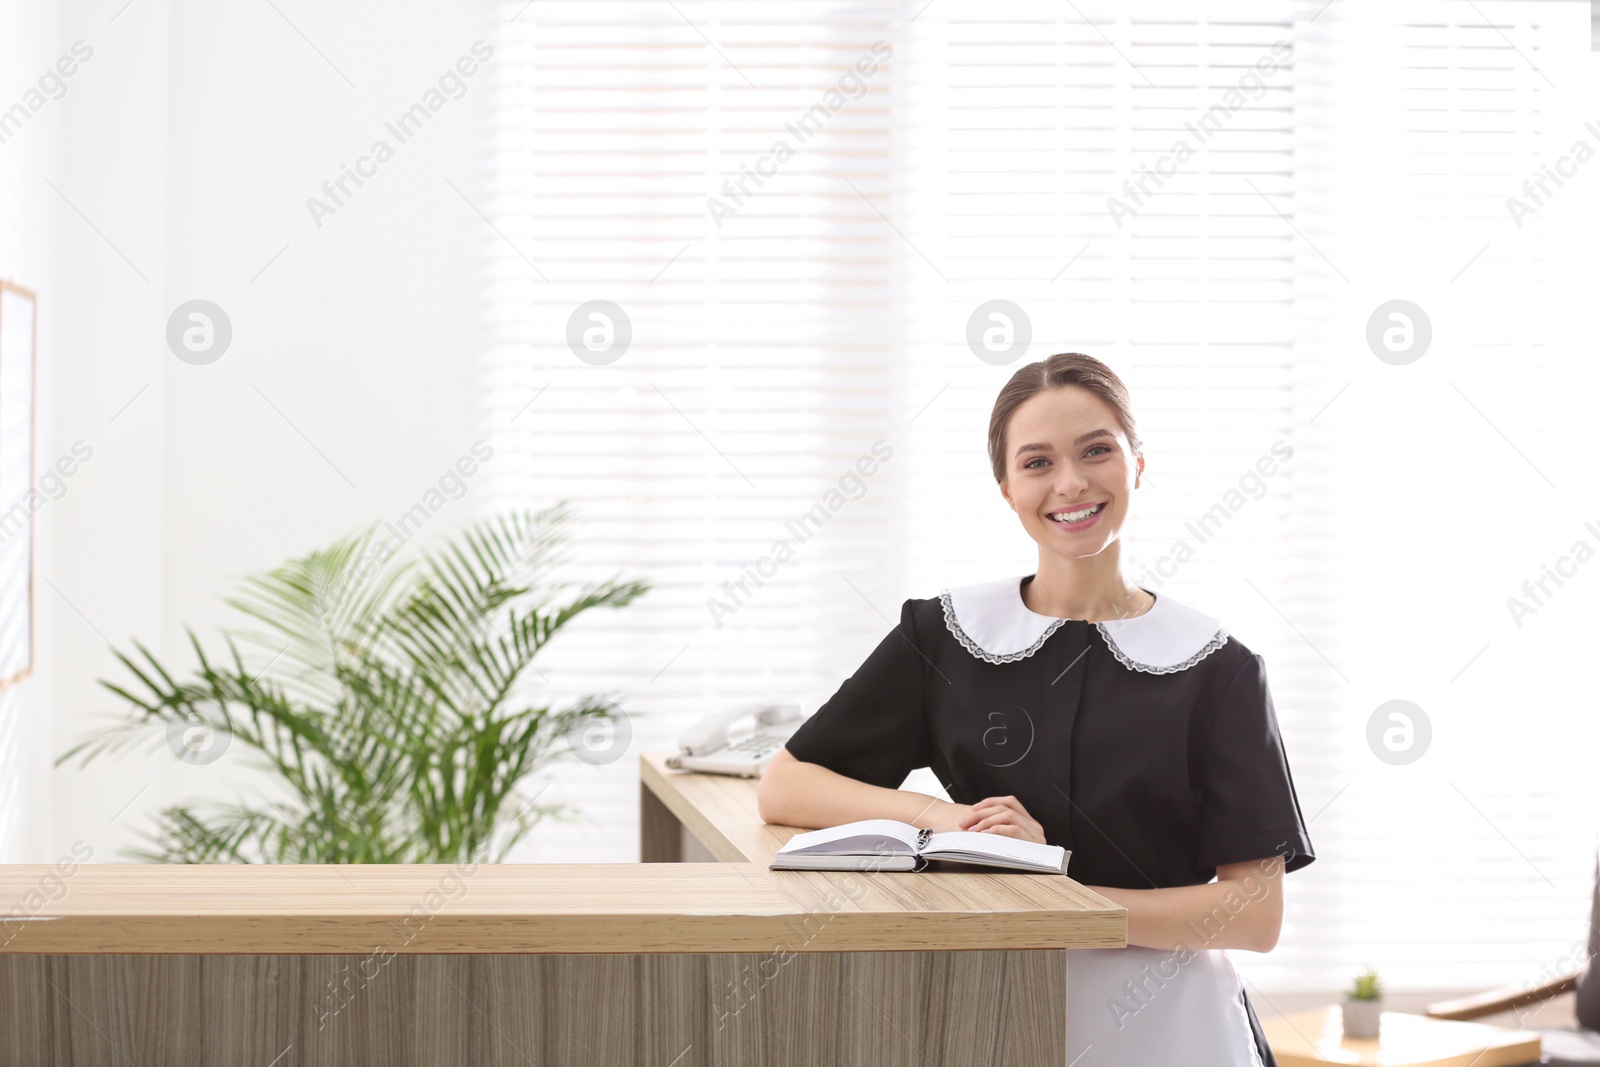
[(994, 623)]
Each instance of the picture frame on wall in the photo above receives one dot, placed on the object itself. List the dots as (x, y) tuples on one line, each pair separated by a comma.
[(19, 499)]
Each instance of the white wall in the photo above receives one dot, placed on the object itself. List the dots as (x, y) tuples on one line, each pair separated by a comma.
[(105, 534), (350, 385), (30, 44), (190, 142)]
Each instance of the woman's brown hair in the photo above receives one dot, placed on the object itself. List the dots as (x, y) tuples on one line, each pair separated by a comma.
[(1062, 369)]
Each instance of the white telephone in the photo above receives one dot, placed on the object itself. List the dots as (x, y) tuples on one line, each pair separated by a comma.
[(706, 747)]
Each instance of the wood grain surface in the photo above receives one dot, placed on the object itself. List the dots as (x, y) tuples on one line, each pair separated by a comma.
[(720, 963), (848, 1009), (737, 905)]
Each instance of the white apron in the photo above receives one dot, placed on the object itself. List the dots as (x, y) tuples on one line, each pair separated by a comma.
[(1129, 1007)]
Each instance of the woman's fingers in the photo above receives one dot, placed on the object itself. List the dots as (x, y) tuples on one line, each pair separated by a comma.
[(978, 819), (1010, 803), (990, 805), (1009, 823), (1022, 833)]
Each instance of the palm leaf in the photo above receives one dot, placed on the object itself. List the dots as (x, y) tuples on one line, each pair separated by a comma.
[(387, 700)]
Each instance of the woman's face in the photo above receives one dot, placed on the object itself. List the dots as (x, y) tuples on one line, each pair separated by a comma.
[(1065, 451)]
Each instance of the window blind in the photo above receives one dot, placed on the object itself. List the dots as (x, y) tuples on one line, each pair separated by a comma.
[(692, 164), (1472, 866), (1214, 205)]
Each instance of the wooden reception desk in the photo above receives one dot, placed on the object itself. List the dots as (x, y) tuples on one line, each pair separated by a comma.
[(664, 963)]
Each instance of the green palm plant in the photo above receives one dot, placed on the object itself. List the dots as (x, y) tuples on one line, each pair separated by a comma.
[(391, 708)]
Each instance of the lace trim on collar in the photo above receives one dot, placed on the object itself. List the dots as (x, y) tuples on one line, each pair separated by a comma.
[(1218, 639), (954, 626), (996, 609)]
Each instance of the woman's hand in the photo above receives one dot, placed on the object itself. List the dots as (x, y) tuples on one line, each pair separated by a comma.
[(1005, 816), (941, 815)]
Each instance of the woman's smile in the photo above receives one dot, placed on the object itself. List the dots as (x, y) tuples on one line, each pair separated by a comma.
[(1061, 516)]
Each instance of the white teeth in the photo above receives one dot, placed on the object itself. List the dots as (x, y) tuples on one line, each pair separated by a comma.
[(1076, 516)]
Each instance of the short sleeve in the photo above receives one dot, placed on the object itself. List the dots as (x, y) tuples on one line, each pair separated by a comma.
[(1248, 806), (874, 728)]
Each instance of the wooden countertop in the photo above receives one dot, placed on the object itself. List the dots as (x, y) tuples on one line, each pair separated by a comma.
[(736, 905)]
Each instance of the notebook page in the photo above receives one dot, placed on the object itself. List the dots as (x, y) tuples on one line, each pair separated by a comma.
[(863, 835), (994, 845)]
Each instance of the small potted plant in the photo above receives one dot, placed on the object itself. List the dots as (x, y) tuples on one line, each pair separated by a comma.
[(1363, 1005)]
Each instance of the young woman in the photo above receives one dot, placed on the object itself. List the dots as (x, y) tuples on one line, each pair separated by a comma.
[(1074, 708)]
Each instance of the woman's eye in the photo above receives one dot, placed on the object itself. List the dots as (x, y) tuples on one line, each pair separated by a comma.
[(1091, 450), (1028, 466)]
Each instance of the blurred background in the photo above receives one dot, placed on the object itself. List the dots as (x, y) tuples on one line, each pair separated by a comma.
[(684, 262)]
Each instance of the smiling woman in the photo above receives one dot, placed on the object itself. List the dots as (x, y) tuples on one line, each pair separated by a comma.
[(1073, 708), (1077, 464)]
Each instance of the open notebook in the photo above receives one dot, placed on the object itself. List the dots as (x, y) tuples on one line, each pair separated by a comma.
[(891, 845)]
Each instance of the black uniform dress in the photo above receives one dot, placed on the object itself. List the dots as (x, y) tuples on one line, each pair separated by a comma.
[(1147, 746)]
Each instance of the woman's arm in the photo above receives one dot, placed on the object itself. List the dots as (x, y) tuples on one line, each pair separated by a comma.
[(1243, 908), (794, 793)]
